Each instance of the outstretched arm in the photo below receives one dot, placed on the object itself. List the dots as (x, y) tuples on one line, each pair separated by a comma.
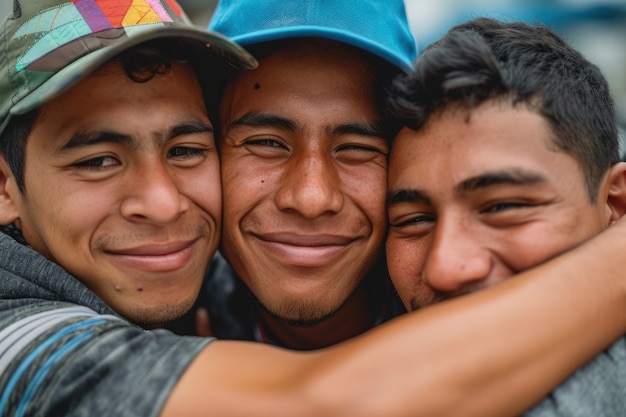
[(493, 353)]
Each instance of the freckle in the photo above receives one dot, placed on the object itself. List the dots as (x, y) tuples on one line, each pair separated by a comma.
[(257, 86), (262, 181), (139, 288)]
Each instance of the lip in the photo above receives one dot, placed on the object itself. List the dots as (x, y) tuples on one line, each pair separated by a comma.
[(156, 257), (311, 251)]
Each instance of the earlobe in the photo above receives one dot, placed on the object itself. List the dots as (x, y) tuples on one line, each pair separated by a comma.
[(8, 195), (616, 197)]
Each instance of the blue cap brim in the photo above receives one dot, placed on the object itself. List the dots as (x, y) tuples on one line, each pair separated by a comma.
[(334, 34)]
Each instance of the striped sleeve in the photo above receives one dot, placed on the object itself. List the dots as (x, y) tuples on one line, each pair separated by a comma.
[(62, 359)]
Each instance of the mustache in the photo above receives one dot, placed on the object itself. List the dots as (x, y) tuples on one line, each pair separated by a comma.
[(186, 232)]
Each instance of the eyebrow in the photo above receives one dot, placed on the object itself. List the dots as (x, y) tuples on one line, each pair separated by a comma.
[(517, 177), (190, 128), (260, 119), (88, 137), (402, 195), (362, 129), (263, 119)]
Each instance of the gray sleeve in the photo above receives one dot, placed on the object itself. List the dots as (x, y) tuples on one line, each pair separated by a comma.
[(596, 390), (70, 361)]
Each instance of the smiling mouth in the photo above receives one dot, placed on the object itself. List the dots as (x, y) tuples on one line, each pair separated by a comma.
[(305, 251), (156, 257)]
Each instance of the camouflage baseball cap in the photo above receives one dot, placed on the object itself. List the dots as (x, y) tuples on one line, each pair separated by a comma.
[(46, 46)]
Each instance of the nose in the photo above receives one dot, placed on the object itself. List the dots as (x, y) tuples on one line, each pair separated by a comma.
[(153, 196), (457, 262), (311, 186)]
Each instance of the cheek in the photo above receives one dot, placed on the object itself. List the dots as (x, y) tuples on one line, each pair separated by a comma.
[(58, 224), (204, 188), (241, 194), (368, 190), (72, 206), (246, 183), (405, 259), (533, 245)]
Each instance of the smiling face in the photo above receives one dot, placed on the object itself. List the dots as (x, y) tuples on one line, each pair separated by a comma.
[(476, 197), (304, 169), (122, 189)]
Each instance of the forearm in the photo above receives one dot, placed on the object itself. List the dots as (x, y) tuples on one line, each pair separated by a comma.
[(497, 352), (494, 353)]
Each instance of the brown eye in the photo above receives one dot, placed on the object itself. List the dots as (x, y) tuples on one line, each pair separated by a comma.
[(97, 163), (185, 152), (265, 142)]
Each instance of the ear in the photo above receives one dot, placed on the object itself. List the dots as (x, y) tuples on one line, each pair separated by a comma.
[(616, 197), (9, 195)]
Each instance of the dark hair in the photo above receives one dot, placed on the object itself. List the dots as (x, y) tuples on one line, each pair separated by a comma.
[(522, 64), (141, 64)]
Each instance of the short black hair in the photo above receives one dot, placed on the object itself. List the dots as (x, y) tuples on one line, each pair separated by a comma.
[(524, 65)]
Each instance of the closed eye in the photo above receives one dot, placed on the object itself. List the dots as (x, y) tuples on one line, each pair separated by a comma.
[(361, 148), (358, 153), (185, 152), (414, 221), (264, 142), (98, 163), (506, 205)]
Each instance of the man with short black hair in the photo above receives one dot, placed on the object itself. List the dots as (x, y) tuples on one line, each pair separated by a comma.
[(509, 156)]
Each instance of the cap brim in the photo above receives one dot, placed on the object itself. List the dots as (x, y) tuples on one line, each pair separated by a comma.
[(342, 36), (217, 46)]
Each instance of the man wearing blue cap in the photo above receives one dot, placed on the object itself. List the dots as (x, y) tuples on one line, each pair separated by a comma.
[(303, 148), (109, 186)]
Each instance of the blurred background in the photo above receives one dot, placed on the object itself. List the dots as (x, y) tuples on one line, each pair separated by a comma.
[(595, 27)]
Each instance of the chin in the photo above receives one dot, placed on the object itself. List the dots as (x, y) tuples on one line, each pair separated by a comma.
[(156, 315), (301, 313)]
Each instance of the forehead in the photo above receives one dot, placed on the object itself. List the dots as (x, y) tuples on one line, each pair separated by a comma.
[(459, 143), (308, 73), (109, 100)]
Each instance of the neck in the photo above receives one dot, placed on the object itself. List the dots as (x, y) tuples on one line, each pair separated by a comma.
[(355, 317)]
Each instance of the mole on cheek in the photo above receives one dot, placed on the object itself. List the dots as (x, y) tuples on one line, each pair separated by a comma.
[(257, 86)]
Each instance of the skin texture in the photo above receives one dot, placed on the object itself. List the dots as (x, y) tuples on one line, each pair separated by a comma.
[(478, 196), (413, 366), (304, 179), (122, 189), (411, 373)]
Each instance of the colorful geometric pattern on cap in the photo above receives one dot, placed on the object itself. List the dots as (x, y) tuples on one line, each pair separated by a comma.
[(78, 19)]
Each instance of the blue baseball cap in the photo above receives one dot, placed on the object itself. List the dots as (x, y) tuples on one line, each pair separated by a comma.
[(377, 26)]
